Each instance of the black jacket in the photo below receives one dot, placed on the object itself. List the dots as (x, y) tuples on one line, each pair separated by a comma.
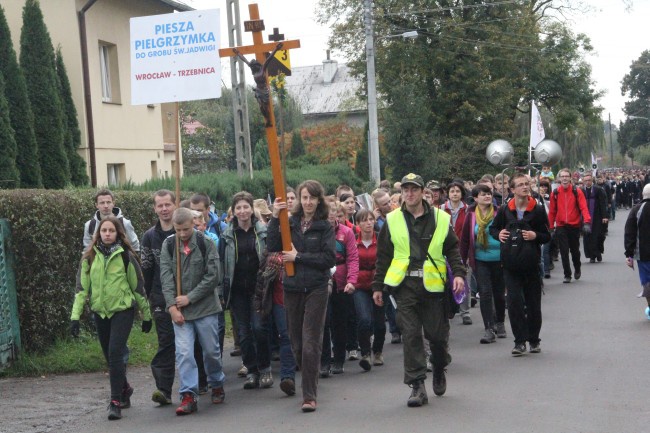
[(637, 234), (150, 254), (316, 253)]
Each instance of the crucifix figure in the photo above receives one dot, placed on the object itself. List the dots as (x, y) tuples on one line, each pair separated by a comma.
[(262, 93)]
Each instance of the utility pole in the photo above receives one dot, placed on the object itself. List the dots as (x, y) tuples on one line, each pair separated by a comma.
[(611, 142), (373, 129), (243, 155)]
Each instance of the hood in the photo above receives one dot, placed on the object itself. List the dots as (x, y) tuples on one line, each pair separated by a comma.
[(117, 212)]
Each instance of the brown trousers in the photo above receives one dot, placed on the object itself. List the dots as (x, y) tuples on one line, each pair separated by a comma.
[(305, 322)]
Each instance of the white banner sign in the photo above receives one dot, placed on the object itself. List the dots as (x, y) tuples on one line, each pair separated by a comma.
[(175, 57), (536, 127)]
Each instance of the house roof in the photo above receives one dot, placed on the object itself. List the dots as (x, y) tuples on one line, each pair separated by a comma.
[(177, 5), (307, 86)]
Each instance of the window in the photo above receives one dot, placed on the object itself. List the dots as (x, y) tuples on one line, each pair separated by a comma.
[(116, 174), (109, 71), (154, 169)]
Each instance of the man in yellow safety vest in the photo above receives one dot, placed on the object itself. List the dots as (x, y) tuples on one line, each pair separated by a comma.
[(411, 251)]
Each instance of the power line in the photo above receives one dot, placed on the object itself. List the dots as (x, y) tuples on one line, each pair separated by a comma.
[(423, 11)]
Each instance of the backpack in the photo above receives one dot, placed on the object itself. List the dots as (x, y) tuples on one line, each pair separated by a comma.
[(575, 194), (518, 255), (171, 246)]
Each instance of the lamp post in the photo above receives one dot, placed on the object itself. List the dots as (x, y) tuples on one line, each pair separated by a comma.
[(373, 128)]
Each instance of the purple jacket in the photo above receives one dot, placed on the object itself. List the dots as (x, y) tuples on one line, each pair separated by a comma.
[(347, 265), (467, 239)]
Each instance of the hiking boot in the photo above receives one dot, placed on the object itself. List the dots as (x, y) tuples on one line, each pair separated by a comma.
[(159, 397), (236, 352), (353, 355), (535, 348), (592, 260), (125, 398), (418, 395), (519, 349), (599, 258), (365, 363), (577, 275), (379, 359), (252, 381), (266, 379), (243, 371), (472, 301), (218, 395), (501, 330), (547, 276), (489, 337), (188, 405), (396, 338), (325, 371), (567, 280), (114, 411), (467, 320), (439, 381), (337, 368), (288, 386)]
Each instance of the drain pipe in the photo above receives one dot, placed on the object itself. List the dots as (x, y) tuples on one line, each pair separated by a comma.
[(87, 95)]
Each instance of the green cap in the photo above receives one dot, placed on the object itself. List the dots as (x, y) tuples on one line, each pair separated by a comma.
[(414, 179)]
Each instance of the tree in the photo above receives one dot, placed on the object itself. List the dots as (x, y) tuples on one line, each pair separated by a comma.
[(38, 65), (21, 116), (297, 145), (72, 141), (261, 158), (9, 176), (635, 131)]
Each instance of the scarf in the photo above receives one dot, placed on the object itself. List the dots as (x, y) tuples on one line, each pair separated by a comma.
[(107, 250), (483, 221)]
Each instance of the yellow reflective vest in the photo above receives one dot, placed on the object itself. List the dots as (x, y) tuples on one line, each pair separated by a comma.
[(399, 235)]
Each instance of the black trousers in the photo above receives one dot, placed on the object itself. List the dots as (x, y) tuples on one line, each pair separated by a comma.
[(113, 333), (568, 239), (524, 305), (335, 335)]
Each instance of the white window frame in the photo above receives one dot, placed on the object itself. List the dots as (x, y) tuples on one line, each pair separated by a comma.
[(104, 65)]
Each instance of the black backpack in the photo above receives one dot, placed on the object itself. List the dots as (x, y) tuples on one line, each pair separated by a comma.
[(518, 255)]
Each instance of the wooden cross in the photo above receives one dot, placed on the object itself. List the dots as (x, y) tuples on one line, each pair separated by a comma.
[(259, 48)]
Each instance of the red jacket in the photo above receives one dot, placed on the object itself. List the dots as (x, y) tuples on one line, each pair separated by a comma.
[(367, 262), (564, 211), (460, 220), (347, 261)]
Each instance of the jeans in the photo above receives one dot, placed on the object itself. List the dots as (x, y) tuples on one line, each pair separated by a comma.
[(371, 322), (206, 330), (524, 305), (113, 333), (163, 364), (253, 340), (546, 257), (568, 239), (278, 316), (491, 289), (305, 321)]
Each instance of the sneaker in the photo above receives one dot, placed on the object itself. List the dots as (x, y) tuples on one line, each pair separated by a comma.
[(418, 395), (547, 276), (325, 371), (501, 330), (379, 359), (647, 313), (467, 320), (159, 397), (203, 389), (309, 406), (337, 368), (114, 411), (396, 338), (252, 381), (288, 386), (365, 363), (218, 395), (439, 381), (567, 280), (489, 337), (243, 371), (519, 349), (353, 355), (236, 352), (125, 398), (577, 275), (534, 348), (429, 365), (266, 379), (188, 405)]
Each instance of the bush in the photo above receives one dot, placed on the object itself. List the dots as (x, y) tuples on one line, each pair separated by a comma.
[(47, 229)]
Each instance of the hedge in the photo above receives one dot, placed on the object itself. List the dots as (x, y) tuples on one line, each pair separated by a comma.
[(47, 232)]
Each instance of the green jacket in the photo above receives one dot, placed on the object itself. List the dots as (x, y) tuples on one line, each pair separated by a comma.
[(110, 288), (228, 253), (200, 277)]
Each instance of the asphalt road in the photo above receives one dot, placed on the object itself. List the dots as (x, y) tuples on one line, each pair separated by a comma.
[(589, 378)]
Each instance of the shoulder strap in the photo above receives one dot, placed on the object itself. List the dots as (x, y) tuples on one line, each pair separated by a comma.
[(126, 260), (91, 226), (171, 246), (638, 213)]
